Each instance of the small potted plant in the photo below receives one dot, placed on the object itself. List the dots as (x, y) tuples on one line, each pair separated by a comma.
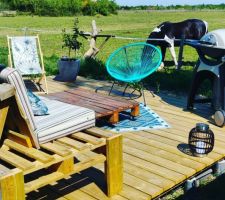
[(68, 66)]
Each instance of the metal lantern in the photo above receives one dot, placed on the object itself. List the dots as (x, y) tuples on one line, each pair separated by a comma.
[(201, 140)]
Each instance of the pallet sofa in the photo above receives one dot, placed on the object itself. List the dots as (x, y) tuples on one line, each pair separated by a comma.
[(62, 143)]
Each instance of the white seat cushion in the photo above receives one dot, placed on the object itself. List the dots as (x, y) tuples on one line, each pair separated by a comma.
[(63, 119)]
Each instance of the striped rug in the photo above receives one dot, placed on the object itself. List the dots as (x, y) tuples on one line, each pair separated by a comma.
[(147, 119)]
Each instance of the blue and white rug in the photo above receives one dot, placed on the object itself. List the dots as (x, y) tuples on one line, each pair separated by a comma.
[(147, 119)]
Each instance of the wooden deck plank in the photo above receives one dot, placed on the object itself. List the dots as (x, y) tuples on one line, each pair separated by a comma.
[(217, 149), (146, 153), (118, 197), (168, 147), (160, 161), (142, 185), (78, 195), (167, 155), (154, 168), (174, 142), (92, 190), (148, 176), (131, 193)]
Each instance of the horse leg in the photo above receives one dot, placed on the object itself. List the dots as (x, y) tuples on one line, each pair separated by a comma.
[(163, 50), (173, 54)]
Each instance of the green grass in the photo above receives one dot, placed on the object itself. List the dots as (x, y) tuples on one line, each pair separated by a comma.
[(126, 23)]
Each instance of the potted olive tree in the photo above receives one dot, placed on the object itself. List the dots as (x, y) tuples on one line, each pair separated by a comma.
[(69, 66)]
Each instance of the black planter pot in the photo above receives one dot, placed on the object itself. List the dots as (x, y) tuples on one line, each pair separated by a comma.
[(68, 69)]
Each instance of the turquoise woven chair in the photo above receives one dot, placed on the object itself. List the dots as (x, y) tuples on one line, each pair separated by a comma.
[(132, 63)]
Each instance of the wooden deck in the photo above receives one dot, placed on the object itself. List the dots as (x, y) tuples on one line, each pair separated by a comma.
[(153, 163)]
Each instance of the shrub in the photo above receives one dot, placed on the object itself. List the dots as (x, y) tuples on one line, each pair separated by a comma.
[(62, 7)]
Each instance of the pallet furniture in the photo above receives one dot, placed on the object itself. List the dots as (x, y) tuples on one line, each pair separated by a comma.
[(58, 159), (103, 105)]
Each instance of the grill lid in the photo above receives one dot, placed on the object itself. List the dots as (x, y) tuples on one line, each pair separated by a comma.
[(215, 38)]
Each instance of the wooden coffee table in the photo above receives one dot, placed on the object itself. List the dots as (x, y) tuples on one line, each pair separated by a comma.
[(104, 106)]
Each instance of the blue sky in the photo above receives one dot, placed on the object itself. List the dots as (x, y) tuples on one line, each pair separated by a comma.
[(167, 2)]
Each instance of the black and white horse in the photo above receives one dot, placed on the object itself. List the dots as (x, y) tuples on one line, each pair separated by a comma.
[(168, 32)]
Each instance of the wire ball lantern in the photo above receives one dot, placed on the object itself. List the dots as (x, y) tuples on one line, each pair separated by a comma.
[(201, 140)]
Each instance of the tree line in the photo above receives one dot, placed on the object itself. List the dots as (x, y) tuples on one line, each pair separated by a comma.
[(176, 7), (61, 7)]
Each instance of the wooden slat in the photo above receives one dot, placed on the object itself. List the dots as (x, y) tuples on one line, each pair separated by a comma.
[(174, 142), (72, 100), (142, 185), (31, 152), (145, 175), (58, 149), (160, 161), (158, 135), (118, 197), (15, 160), (99, 132), (102, 100), (103, 105), (42, 181), (79, 195), (88, 162), (167, 155), (168, 147), (93, 190), (87, 138), (131, 193), (3, 170), (88, 93), (73, 143), (154, 168)]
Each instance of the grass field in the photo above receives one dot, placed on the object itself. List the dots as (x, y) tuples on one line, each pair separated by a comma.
[(126, 23)]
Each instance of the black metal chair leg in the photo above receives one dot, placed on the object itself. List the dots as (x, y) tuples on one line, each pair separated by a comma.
[(143, 94), (152, 93), (125, 89), (111, 87)]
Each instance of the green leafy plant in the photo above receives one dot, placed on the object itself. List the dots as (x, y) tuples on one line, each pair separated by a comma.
[(71, 40)]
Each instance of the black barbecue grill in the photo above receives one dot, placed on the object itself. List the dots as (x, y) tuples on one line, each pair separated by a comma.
[(211, 65)]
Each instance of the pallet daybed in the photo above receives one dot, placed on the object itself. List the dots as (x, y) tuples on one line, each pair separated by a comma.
[(22, 153)]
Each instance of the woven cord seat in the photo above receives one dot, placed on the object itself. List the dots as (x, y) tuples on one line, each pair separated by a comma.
[(133, 62)]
